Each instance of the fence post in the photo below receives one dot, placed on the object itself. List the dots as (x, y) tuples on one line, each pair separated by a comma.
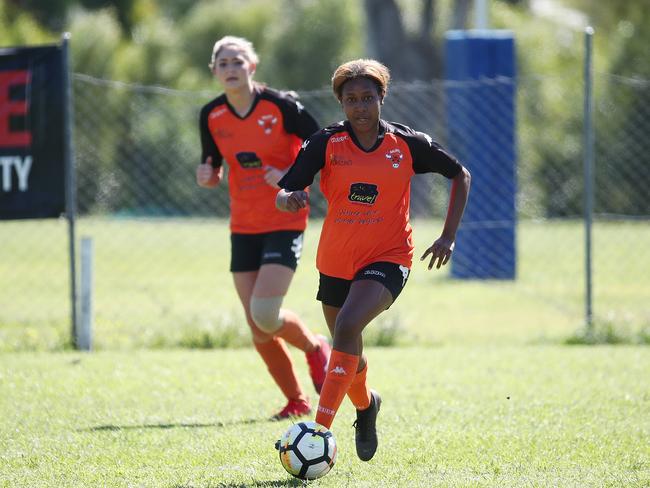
[(588, 142), (70, 180), (84, 338)]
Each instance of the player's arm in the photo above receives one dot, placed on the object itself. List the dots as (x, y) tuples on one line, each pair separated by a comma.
[(210, 170), (430, 157), (442, 247), (297, 119), (309, 161)]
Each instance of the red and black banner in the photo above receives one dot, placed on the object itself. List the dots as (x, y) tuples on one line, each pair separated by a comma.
[(32, 123)]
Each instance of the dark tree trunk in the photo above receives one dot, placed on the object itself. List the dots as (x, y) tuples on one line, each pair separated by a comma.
[(408, 57)]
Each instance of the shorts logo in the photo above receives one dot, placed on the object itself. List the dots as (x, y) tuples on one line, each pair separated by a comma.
[(374, 272), (296, 246), (269, 255), (405, 274), (267, 122), (248, 160), (363, 193), (395, 156)]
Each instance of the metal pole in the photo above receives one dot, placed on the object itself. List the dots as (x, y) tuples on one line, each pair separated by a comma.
[(84, 338), (588, 175), (481, 14), (70, 182)]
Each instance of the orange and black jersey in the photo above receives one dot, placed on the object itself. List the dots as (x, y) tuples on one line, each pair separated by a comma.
[(367, 192), (270, 134)]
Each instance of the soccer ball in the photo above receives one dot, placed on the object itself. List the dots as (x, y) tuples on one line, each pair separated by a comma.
[(307, 450)]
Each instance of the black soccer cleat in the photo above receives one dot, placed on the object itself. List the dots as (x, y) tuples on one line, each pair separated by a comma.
[(365, 429)]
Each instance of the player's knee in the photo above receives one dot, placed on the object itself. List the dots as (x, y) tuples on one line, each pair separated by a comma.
[(346, 330), (266, 313)]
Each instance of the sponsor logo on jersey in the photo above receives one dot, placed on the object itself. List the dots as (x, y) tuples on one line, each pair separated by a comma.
[(266, 122), (339, 139), (365, 193), (248, 160), (222, 133), (337, 160), (218, 113), (395, 156)]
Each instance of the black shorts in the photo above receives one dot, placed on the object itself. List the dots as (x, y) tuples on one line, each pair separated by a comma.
[(250, 251), (333, 291)]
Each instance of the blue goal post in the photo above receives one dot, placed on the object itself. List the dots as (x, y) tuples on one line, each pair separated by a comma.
[(480, 93)]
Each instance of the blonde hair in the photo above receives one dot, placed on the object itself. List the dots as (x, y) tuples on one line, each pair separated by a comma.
[(361, 68), (239, 42)]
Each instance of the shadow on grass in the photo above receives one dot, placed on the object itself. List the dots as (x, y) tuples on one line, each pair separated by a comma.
[(179, 425), (270, 484)]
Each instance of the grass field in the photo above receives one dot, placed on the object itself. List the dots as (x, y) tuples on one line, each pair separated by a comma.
[(478, 388), (161, 283), (453, 416)]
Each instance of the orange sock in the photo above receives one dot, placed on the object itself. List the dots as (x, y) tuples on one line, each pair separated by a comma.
[(340, 374), (295, 333), (278, 361), (359, 393)]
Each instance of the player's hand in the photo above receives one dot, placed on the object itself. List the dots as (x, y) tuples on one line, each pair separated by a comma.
[(440, 251), (206, 175), (272, 175), (292, 201)]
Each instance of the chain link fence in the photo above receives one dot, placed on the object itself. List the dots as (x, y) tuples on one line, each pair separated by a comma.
[(162, 244)]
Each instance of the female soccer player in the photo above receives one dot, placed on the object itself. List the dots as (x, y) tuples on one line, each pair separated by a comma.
[(258, 131), (365, 250)]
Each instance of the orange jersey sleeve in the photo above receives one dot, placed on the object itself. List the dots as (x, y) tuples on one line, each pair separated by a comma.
[(270, 135)]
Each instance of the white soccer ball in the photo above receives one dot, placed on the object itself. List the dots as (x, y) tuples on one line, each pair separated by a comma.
[(307, 450)]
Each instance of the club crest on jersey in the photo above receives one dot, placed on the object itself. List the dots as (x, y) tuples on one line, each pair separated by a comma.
[(266, 122), (395, 156), (363, 193)]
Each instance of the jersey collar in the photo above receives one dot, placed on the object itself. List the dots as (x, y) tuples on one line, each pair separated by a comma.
[(250, 110), (383, 128)]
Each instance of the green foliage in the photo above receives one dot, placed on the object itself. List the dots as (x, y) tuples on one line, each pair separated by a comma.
[(207, 22), (20, 28), (96, 40), (313, 39), (612, 331)]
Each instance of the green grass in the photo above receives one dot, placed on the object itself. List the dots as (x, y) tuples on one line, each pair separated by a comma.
[(460, 416), (162, 283), (482, 390)]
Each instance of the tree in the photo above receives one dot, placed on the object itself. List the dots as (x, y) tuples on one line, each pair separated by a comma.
[(404, 53)]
